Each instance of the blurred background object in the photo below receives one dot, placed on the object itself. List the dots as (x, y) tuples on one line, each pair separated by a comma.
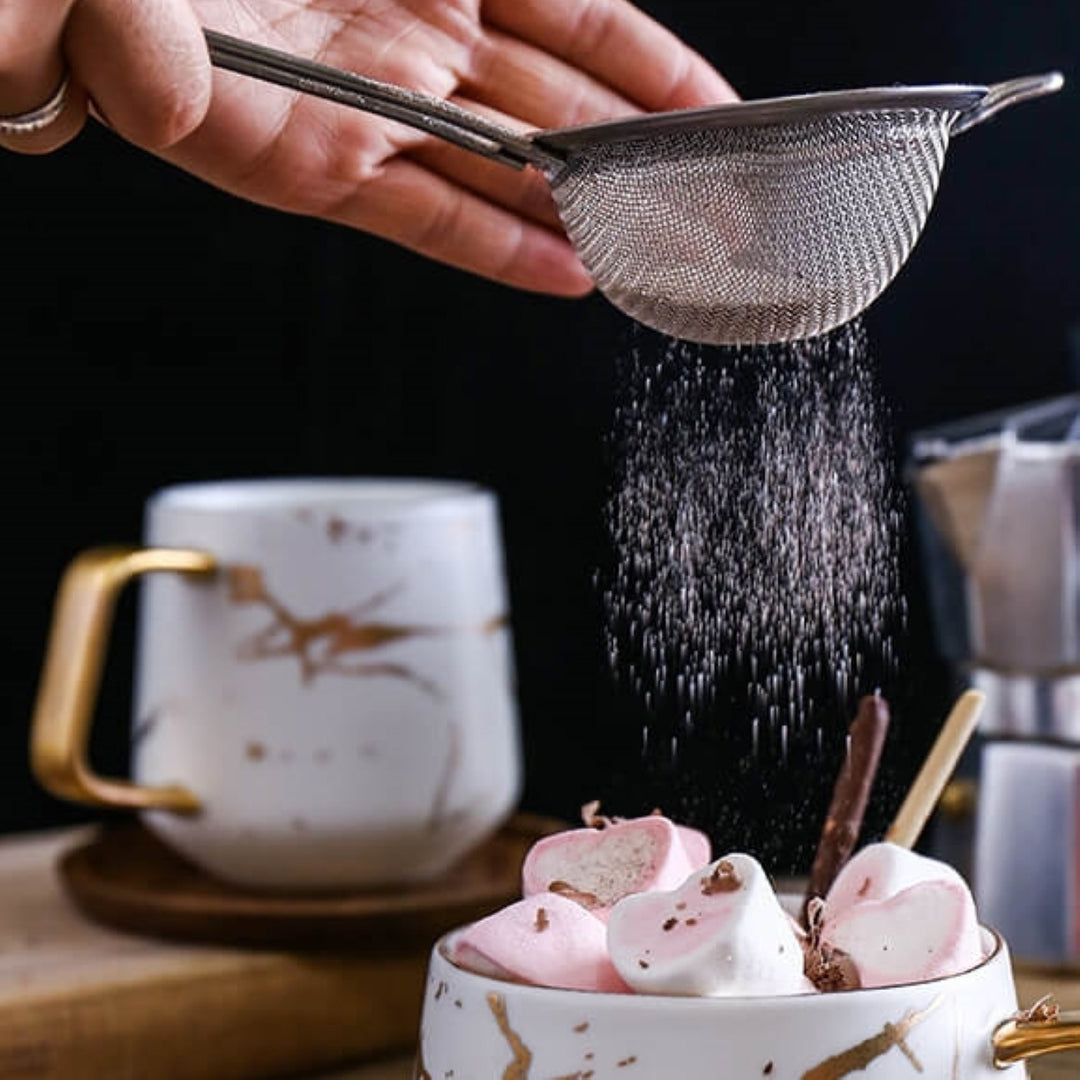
[(998, 506), (293, 347)]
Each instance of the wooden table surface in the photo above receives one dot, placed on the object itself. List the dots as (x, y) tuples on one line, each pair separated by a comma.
[(394, 1068), (82, 1001)]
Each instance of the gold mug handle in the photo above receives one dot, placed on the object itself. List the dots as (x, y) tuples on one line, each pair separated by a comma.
[(82, 619), (1020, 1039)]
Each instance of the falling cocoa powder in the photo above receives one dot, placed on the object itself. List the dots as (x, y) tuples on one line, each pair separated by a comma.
[(753, 589)]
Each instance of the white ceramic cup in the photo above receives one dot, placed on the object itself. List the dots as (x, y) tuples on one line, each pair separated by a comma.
[(474, 1028), (324, 679)]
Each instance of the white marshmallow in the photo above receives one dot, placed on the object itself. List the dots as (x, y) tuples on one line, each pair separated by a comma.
[(878, 871), (721, 933)]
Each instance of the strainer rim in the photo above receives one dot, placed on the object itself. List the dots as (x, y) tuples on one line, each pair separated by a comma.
[(945, 97)]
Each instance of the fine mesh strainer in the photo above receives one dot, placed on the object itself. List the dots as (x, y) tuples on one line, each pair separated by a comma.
[(738, 224)]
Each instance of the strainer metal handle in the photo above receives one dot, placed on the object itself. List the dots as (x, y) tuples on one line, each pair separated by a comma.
[(430, 114), (1003, 94)]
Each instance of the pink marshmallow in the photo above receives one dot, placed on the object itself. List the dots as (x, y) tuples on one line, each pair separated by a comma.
[(926, 931), (721, 933), (598, 866), (697, 845), (544, 939), (902, 917)]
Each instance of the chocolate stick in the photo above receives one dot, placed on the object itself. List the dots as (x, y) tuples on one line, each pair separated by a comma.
[(850, 796), (923, 796)]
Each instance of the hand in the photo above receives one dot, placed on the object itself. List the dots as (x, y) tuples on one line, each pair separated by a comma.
[(142, 67)]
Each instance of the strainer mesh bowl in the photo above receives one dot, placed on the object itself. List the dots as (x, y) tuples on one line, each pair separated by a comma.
[(744, 235)]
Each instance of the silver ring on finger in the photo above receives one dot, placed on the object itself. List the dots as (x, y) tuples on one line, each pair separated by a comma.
[(36, 119)]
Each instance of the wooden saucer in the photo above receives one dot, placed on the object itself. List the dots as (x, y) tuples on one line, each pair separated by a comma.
[(124, 877)]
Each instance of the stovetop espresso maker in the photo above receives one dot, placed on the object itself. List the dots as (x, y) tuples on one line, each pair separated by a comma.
[(998, 513)]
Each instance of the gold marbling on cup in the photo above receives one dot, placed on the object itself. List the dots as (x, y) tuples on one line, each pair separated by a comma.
[(324, 688)]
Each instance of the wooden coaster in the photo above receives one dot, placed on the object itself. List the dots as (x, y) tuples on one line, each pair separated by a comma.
[(126, 878)]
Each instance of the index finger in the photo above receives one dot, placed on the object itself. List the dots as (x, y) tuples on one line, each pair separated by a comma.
[(619, 44)]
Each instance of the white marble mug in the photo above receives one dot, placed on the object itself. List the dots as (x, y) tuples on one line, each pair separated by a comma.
[(324, 688), (964, 1027)]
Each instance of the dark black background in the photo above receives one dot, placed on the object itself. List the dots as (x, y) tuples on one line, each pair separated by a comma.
[(155, 330)]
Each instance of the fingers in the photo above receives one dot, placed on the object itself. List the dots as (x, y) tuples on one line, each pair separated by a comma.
[(523, 192), (526, 82), (59, 130), (144, 64), (31, 70), (618, 44), (408, 205)]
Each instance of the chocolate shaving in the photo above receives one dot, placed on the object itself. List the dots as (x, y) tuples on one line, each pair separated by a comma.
[(1045, 1011), (585, 899), (542, 921), (723, 879), (831, 970), (670, 924), (828, 968), (851, 793), (593, 819)]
